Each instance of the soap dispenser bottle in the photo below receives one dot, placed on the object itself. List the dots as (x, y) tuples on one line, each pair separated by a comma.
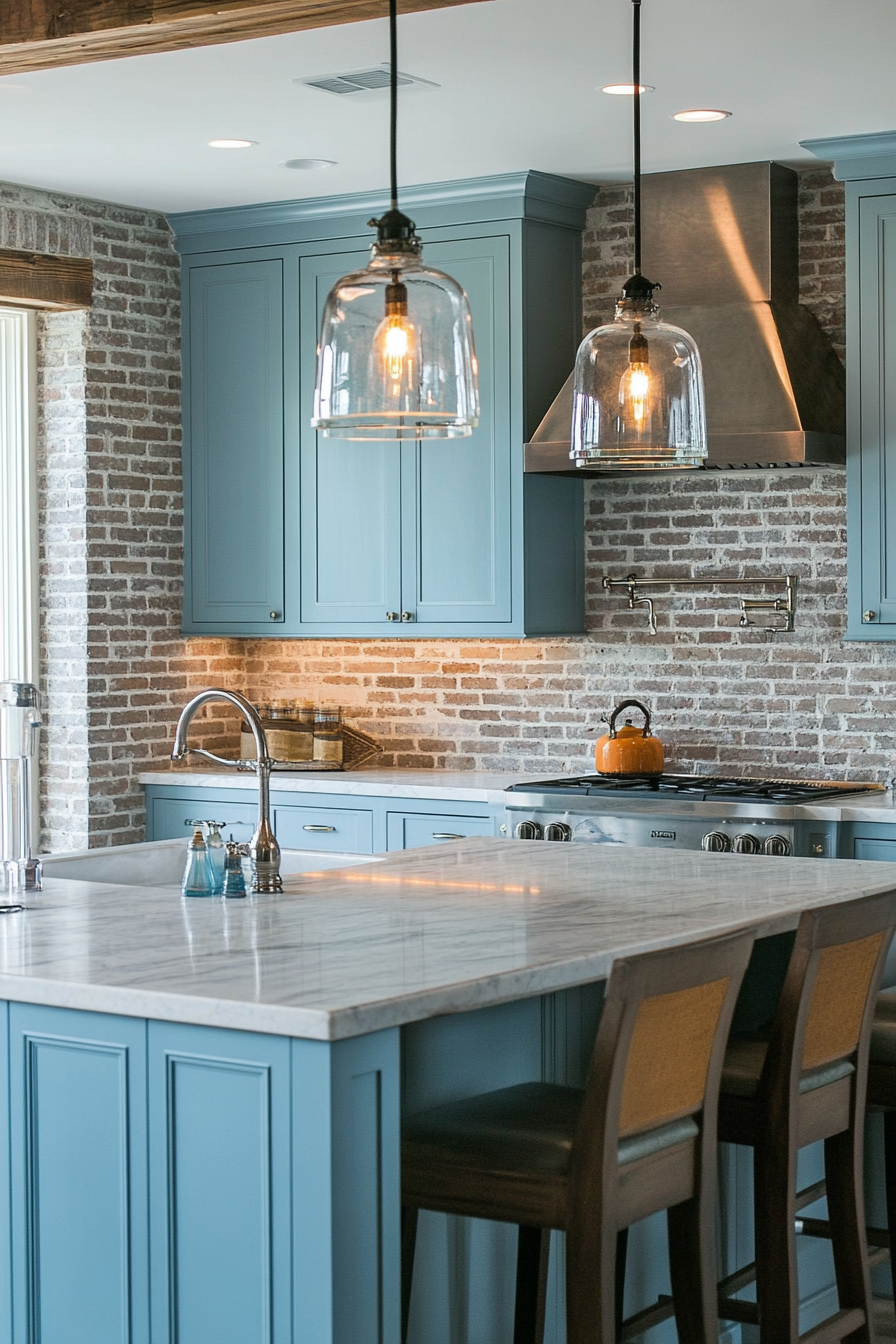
[(198, 879), (216, 854)]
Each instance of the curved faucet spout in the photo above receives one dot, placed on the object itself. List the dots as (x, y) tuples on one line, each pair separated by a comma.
[(263, 848)]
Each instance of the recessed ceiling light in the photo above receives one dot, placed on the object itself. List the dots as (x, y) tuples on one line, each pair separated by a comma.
[(231, 144), (701, 114), (309, 165), (623, 89)]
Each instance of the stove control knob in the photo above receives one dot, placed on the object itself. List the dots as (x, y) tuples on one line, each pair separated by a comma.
[(715, 842), (528, 830), (778, 845), (557, 830), (746, 844)]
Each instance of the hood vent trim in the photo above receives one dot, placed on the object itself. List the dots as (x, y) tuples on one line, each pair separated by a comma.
[(724, 242)]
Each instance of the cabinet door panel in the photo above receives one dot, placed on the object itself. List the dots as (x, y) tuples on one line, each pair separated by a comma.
[(410, 830), (456, 563), (877, 406), (219, 1155), (235, 432), (351, 492), (78, 1104)]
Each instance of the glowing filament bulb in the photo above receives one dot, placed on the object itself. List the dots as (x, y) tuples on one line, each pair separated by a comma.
[(395, 346), (634, 388)]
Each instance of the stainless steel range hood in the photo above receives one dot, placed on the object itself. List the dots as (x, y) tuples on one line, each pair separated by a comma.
[(723, 243)]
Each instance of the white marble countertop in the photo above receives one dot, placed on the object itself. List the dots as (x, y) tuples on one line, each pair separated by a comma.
[(422, 933), (460, 786)]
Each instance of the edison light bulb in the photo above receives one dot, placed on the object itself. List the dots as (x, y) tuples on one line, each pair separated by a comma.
[(634, 386), (397, 340)]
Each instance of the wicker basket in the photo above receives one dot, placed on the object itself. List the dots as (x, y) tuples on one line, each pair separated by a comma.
[(357, 749)]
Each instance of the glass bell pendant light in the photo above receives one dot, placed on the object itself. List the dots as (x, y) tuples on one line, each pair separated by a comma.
[(396, 357), (638, 398)]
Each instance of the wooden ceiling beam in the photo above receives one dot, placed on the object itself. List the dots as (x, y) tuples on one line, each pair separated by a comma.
[(41, 34), (38, 280)]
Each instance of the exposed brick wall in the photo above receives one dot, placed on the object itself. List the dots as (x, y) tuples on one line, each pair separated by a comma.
[(114, 667)]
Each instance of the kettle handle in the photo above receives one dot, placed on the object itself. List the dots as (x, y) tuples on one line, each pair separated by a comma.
[(630, 704)]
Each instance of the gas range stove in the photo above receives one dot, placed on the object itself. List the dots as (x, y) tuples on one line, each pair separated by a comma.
[(710, 812)]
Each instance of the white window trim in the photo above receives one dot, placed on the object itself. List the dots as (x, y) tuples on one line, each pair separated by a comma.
[(19, 622)]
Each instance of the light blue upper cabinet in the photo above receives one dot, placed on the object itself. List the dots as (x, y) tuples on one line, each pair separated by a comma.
[(441, 537), (867, 163), (237, 434)]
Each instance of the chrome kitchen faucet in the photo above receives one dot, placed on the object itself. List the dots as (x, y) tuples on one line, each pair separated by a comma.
[(264, 851)]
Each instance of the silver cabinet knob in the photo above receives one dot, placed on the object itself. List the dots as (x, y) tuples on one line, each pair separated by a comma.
[(746, 844), (715, 842), (557, 830), (392, 616), (528, 830), (408, 616), (274, 615), (868, 616), (778, 845)]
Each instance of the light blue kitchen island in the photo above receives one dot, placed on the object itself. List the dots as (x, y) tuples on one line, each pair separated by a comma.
[(203, 1098)]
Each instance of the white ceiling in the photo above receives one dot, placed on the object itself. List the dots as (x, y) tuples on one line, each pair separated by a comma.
[(520, 88)]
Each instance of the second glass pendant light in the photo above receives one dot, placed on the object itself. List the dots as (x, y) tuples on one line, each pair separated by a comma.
[(396, 356), (638, 387)]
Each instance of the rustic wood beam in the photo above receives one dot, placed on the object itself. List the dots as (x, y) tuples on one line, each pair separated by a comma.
[(38, 280), (40, 34)]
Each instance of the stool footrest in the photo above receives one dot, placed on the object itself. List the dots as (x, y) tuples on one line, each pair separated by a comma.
[(811, 1195), (733, 1309), (821, 1227), (835, 1327), (662, 1310)]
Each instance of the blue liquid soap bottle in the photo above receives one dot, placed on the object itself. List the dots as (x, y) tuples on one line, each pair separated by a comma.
[(216, 855), (198, 878), (234, 881)]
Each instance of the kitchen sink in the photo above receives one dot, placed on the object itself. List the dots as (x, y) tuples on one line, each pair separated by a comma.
[(160, 863)]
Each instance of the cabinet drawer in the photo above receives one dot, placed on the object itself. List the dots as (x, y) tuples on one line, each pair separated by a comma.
[(170, 817), (881, 850), (410, 830), (329, 828)]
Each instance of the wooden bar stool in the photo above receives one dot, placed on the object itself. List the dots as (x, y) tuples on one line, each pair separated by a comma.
[(640, 1137), (807, 1082), (882, 1095)]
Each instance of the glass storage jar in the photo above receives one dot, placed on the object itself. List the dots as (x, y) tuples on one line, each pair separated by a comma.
[(328, 735)]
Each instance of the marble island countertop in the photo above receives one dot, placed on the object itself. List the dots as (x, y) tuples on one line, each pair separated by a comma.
[(421, 933)]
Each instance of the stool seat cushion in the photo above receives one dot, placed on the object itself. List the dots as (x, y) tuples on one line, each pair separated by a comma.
[(745, 1057), (883, 1033), (525, 1128)]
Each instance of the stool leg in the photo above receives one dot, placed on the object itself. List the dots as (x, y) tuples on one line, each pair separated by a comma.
[(692, 1267), (621, 1257), (409, 1219), (591, 1261), (890, 1179), (846, 1213), (533, 1249), (774, 1199)]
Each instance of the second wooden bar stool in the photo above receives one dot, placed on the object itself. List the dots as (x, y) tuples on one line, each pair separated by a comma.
[(805, 1082), (641, 1137)]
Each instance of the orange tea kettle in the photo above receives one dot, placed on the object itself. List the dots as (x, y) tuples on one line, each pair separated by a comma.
[(628, 750)]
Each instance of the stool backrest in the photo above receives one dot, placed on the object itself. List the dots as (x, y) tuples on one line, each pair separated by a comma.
[(827, 1004), (659, 1049)]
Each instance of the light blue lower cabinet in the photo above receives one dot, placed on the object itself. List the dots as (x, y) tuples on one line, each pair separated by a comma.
[(411, 830), (80, 1271)]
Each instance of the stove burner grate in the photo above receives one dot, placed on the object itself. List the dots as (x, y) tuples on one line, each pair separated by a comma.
[(705, 788)]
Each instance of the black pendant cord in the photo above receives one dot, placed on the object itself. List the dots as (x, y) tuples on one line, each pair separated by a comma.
[(393, 97), (636, 83)]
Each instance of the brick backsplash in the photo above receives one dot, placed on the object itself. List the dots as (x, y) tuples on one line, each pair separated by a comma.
[(116, 669)]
